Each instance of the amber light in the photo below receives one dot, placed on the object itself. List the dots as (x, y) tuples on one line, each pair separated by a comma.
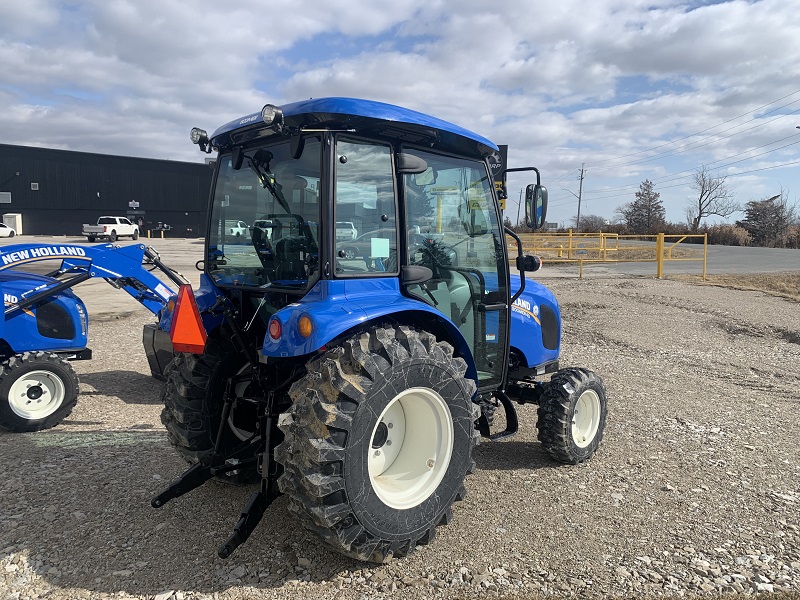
[(304, 326), (275, 329)]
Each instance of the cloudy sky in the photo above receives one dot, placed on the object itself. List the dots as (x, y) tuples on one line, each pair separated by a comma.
[(633, 89)]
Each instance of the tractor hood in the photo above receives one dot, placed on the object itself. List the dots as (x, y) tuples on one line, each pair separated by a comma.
[(16, 284)]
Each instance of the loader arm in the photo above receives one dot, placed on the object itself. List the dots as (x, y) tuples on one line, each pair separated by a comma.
[(129, 268)]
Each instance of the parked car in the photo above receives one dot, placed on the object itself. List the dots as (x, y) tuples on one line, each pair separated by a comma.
[(360, 247), (345, 230), (6, 231)]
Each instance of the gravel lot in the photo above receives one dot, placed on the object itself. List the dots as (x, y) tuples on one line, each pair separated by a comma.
[(694, 490)]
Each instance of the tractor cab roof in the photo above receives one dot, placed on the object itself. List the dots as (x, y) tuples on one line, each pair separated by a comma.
[(362, 116)]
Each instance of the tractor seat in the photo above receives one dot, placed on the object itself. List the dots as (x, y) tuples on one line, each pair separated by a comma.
[(290, 258)]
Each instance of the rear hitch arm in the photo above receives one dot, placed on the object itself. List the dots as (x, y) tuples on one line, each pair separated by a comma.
[(198, 474), (251, 516), (259, 502)]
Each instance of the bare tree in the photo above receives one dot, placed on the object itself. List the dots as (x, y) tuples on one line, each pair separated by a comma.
[(713, 198), (590, 222)]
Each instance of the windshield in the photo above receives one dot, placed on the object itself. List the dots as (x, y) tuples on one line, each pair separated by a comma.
[(264, 227)]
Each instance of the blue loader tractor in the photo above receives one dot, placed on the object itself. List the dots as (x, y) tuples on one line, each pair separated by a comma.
[(45, 324), (356, 376)]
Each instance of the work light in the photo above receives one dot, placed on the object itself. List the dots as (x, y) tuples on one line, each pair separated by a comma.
[(198, 135), (272, 115)]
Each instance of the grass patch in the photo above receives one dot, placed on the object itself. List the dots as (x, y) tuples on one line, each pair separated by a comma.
[(782, 285)]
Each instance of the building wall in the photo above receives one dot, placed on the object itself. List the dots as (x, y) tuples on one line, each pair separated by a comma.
[(77, 187)]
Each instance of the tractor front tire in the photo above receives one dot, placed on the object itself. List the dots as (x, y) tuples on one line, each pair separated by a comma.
[(378, 442), (38, 390), (193, 403), (572, 415)]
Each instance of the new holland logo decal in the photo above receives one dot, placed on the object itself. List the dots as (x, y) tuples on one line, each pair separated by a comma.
[(21, 256), (524, 308)]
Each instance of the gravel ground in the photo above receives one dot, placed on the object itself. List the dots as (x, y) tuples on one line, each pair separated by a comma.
[(694, 490)]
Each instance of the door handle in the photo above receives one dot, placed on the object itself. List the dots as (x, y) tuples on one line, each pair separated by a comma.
[(491, 307)]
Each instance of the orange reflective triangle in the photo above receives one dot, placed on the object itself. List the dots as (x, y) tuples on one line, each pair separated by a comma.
[(187, 332)]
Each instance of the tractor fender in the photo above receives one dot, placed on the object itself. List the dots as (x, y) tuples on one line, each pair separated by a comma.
[(535, 323), (337, 307)]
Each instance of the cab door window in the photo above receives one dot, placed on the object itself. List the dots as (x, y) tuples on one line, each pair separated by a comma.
[(453, 229), (365, 202)]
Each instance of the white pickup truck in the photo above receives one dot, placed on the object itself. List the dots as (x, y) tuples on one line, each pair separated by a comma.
[(345, 230), (110, 228)]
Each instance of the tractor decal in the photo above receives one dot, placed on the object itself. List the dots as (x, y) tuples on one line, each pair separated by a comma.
[(26, 255), (524, 308)]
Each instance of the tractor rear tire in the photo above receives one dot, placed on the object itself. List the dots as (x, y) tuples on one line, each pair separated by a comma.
[(193, 403), (38, 390), (378, 442), (572, 415)]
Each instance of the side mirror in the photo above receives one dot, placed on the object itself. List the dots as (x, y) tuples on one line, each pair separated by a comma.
[(535, 205), (237, 158), (408, 164)]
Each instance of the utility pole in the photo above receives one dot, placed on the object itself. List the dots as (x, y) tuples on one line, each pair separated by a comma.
[(580, 191), (519, 205)]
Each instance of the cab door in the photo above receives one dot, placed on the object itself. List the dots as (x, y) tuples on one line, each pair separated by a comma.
[(453, 229)]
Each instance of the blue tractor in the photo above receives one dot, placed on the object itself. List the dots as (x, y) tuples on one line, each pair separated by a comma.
[(357, 375), (45, 325)]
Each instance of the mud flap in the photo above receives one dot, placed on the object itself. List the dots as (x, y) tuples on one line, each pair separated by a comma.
[(158, 348)]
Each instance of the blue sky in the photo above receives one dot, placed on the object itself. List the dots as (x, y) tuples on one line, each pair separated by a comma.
[(630, 89)]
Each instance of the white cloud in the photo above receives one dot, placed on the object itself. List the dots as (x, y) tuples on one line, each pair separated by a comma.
[(562, 83)]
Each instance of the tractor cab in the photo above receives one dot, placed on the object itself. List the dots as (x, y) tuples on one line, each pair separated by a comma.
[(418, 192)]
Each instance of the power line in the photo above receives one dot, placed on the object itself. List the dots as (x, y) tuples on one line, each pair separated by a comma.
[(685, 183), (702, 131), (695, 145), (672, 176)]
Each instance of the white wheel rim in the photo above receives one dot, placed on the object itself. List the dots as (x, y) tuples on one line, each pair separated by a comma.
[(36, 395), (586, 418), (411, 446)]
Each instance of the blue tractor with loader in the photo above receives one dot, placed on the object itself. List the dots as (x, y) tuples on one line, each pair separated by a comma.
[(45, 324), (354, 375)]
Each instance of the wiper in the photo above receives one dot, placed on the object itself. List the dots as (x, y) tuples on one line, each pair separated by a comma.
[(267, 183)]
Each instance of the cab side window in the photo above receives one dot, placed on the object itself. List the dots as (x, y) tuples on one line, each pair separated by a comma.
[(365, 200)]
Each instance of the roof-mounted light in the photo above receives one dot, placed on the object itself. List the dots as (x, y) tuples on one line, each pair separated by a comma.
[(198, 135), (272, 116)]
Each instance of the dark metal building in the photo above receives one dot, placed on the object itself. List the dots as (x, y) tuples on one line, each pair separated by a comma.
[(56, 191)]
